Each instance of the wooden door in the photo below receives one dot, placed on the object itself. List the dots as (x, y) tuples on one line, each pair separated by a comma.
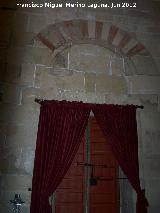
[(104, 195), (70, 195)]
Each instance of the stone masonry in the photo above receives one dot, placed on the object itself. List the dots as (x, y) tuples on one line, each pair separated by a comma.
[(114, 56)]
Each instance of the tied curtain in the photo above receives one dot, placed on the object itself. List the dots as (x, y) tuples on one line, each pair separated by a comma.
[(119, 126), (60, 131)]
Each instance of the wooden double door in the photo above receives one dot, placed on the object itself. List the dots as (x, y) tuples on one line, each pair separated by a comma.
[(90, 185)]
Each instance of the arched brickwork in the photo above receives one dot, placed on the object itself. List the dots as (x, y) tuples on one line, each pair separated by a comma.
[(95, 32)]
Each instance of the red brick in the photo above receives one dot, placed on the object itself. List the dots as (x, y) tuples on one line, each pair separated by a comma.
[(59, 37), (70, 29), (112, 33), (136, 49), (84, 29), (46, 42), (98, 32), (124, 40)]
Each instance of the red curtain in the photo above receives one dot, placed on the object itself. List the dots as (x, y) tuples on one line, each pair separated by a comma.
[(119, 125), (61, 128)]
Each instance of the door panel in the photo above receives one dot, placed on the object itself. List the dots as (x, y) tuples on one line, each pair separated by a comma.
[(103, 196), (69, 208), (103, 208), (69, 196)]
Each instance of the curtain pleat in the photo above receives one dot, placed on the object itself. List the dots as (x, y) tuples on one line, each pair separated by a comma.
[(119, 125), (60, 131)]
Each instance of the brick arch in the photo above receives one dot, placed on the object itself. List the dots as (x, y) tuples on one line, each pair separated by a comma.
[(95, 32)]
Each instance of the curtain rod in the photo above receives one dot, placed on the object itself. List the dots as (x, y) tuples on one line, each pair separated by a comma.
[(38, 100)]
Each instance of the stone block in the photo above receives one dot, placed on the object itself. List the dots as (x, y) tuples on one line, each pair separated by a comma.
[(151, 144), (129, 67), (154, 208), (143, 84), (29, 94), (12, 73), (91, 29), (145, 65), (17, 160), (103, 83), (19, 22), (126, 193), (104, 16), (72, 96), (116, 99), (90, 80), (152, 191), (148, 99), (117, 66), (39, 55), (21, 135), (20, 38), (151, 167), (105, 31), (16, 182), (119, 85), (90, 58), (74, 82), (27, 74), (100, 98), (15, 55), (10, 94), (36, 23), (19, 74), (34, 55), (157, 63), (23, 114), (150, 120), (151, 44), (78, 81), (90, 97), (43, 78)]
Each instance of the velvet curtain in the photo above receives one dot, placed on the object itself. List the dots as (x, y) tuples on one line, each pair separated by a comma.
[(119, 126), (61, 128)]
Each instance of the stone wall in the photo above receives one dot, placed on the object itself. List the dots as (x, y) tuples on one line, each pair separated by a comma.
[(99, 76)]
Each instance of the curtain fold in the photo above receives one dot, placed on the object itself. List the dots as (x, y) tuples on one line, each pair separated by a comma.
[(60, 130), (119, 126)]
